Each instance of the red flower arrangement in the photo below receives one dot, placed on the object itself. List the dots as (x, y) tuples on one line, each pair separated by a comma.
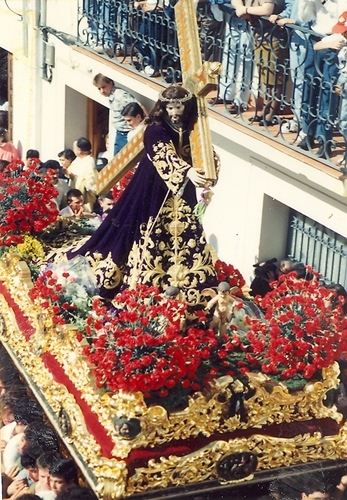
[(227, 272), (144, 342), (26, 205), (118, 189), (140, 346), (301, 334)]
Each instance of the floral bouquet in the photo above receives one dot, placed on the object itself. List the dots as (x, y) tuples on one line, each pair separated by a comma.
[(67, 290), (300, 334), (30, 251), (26, 205), (140, 346)]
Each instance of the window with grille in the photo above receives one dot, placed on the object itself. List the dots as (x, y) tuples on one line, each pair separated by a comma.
[(317, 246)]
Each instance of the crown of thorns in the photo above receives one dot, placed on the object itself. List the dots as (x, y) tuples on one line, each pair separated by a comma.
[(176, 99)]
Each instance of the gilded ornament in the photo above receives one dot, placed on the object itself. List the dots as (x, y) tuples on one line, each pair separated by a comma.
[(205, 414)]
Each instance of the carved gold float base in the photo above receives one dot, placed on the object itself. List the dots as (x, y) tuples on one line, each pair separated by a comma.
[(40, 351)]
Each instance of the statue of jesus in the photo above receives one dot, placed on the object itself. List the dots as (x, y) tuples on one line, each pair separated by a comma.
[(151, 235)]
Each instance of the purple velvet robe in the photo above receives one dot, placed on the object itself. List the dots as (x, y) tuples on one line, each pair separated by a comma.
[(151, 235)]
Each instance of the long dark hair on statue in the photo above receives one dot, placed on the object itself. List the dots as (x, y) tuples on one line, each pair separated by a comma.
[(175, 93)]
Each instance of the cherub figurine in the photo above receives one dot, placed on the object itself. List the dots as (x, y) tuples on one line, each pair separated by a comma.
[(225, 303)]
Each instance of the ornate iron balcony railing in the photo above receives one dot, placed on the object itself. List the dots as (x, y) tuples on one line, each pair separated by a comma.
[(272, 78)]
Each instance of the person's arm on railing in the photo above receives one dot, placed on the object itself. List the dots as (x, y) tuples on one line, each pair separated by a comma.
[(285, 20), (261, 10), (285, 14), (335, 42), (240, 9)]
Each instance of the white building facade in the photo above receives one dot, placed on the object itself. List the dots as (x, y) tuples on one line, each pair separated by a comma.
[(261, 184)]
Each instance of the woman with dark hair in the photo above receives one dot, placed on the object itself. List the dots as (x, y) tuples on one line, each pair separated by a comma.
[(151, 236)]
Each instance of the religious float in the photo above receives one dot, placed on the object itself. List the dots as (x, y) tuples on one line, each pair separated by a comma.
[(149, 394)]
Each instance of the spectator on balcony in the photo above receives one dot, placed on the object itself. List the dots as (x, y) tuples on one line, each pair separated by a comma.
[(101, 18), (211, 27), (337, 298), (104, 156), (118, 98), (264, 274), (291, 266), (319, 101), (338, 41), (7, 150), (237, 64), (134, 116), (122, 21), (150, 30), (270, 56), (297, 55)]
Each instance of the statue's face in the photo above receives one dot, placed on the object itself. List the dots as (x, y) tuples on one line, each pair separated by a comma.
[(175, 112)]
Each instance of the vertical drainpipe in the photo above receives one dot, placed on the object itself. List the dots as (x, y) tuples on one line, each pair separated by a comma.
[(41, 20)]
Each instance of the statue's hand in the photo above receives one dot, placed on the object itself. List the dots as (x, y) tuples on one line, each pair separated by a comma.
[(196, 178)]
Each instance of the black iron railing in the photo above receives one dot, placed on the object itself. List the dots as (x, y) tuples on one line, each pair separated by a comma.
[(272, 78), (317, 246)]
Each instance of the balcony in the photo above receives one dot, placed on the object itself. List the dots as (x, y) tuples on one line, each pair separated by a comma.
[(265, 84)]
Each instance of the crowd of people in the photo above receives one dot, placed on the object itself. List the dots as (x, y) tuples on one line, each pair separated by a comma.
[(307, 484), (260, 56), (74, 170), (34, 463), (268, 49)]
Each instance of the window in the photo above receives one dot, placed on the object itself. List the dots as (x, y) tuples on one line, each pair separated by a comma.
[(317, 246)]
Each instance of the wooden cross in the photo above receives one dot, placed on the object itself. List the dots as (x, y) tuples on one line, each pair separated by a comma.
[(200, 78)]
